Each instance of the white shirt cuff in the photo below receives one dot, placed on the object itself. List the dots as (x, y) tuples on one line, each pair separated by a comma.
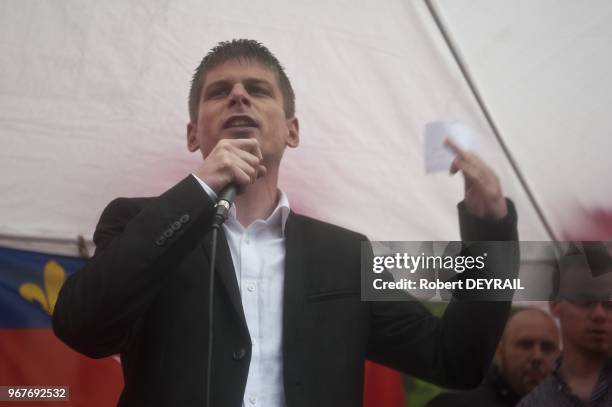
[(212, 194)]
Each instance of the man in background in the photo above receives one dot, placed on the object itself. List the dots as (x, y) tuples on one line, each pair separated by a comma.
[(524, 357), (583, 374)]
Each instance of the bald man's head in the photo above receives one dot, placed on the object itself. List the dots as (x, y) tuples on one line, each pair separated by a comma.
[(528, 349)]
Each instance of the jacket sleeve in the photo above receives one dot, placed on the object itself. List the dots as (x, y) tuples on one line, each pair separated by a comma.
[(455, 350), (137, 240)]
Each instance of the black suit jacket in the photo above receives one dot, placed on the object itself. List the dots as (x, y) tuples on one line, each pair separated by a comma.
[(144, 295), (493, 392)]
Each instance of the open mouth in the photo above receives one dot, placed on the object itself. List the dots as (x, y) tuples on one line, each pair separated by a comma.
[(241, 121)]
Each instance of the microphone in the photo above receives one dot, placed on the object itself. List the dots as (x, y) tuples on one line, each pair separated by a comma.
[(223, 205)]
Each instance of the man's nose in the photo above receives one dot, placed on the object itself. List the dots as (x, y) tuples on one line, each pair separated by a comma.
[(536, 354), (599, 311), (239, 96)]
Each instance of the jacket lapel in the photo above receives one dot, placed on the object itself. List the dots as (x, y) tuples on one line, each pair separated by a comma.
[(293, 298), (224, 271)]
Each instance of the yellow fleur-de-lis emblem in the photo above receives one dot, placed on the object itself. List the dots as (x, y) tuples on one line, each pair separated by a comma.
[(53, 275)]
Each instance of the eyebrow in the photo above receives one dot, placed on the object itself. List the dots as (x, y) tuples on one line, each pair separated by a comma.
[(256, 81), (247, 82)]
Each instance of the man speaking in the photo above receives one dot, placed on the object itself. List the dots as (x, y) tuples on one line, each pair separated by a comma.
[(289, 326)]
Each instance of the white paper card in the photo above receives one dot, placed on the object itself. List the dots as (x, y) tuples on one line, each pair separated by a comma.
[(438, 157)]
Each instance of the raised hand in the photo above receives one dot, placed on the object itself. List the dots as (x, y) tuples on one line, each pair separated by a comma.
[(483, 194)]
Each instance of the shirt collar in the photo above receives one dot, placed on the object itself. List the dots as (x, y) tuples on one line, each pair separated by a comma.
[(279, 214), (283, 207), (556, 373)]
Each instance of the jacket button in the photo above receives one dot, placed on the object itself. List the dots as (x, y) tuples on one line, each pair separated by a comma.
[(168, 233), (185, 218), (239, 354), (176, 226), (160, 241)]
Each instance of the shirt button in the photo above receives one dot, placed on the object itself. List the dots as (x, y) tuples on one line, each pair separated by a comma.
[(253, 341), (247, 241), (251, 288), (253, 399)]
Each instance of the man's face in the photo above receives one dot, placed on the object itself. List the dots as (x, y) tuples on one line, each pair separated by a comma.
[(586, 325), (585, 313), (527, 351), (242, 99)]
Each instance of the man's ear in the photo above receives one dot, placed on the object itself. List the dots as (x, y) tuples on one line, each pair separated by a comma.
[(499, 351), (192, 139), (293, 137)]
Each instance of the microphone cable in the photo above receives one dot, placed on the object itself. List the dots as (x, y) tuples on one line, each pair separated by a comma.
[(223, 205)]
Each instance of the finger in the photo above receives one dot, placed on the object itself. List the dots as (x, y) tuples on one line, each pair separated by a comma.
[(472, 166), (254, 162), (250, 145), (247, 157), (454, 147), (236, 162), (243, 143), (232, 164), (454, 167), (470, 171), (243, 175), (257, 151), (261, 171)]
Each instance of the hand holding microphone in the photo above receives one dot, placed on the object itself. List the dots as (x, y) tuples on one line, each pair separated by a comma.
[(232, 165), (235, 161)]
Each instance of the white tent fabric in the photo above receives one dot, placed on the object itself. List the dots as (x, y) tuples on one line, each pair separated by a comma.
[(93, 106), (545, 74)]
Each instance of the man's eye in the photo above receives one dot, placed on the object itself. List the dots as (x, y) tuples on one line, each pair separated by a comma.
[(219, 92), (259, 90), (525, 344)]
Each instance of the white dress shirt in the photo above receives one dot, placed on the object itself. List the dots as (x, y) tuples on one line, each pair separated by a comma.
[(258, 255)]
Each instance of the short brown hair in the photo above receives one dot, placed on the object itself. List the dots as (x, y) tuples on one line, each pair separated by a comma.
[(241, 49)]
